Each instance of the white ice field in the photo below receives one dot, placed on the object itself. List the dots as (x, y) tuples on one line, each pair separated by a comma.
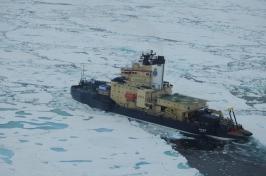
[(215, 50)]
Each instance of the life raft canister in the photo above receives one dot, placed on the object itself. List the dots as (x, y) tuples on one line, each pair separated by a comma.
[(131, 96)]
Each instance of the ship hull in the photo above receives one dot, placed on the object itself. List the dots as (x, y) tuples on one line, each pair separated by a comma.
[(91, 98), (95, 100)]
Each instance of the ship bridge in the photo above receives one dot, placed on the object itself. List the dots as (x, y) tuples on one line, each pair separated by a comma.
[(148, 71), (141, 84), (150, 58)]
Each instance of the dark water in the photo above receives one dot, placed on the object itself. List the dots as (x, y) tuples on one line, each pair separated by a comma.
[(223, 158)]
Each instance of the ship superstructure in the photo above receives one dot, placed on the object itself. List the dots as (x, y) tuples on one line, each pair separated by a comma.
[(141, 92)]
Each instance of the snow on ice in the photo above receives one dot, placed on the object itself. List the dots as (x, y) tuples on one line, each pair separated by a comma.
[(214, 49)]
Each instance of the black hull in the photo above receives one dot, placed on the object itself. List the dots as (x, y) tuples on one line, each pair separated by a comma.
[(92, 99), (95, 100)]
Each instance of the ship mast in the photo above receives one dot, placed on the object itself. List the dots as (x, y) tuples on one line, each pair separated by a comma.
[(82, 77)]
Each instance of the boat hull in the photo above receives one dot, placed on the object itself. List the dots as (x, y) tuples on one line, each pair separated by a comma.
[(95, 100)]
